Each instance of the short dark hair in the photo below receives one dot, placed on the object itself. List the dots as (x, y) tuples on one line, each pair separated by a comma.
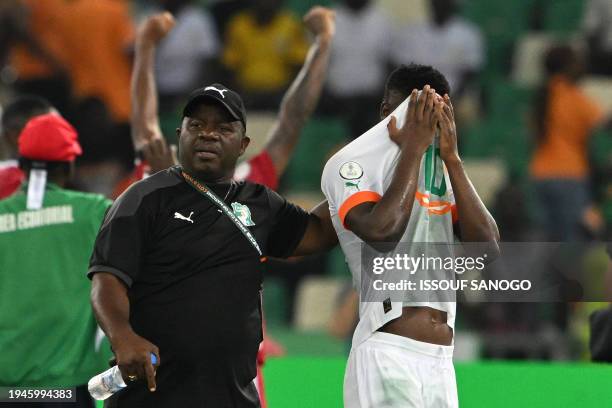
[(55, 169), (29, 164), (559, 58), (405, 78), (22, 108)]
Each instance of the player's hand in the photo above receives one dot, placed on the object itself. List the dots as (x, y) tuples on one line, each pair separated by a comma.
[(133, 355), (158, 154), (421, 121), (448, 132), (156, 27), (321, 21)]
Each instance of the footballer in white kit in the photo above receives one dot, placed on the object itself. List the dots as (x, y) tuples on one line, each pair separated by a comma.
[(388, 368)]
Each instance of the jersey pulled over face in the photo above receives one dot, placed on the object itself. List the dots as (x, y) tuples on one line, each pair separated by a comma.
[(361, 172)]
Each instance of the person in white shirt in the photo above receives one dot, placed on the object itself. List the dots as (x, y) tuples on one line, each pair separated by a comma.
[(185, 55), (379, 190), (448, 42), (360, 61), (597, 29)]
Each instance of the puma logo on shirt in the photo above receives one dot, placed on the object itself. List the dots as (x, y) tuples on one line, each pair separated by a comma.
[(182, 217)]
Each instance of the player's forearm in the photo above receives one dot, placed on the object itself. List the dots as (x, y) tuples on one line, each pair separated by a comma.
[(388, 218), (302, 96), (475, 221), (320, 235), (299, 102), (145, 121), (393, 211), (111, 306)]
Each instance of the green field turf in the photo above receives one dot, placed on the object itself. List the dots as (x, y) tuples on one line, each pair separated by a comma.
[(309, 382), (317, 382)]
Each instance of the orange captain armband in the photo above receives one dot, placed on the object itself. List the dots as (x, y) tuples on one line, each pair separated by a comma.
[(356, 199)]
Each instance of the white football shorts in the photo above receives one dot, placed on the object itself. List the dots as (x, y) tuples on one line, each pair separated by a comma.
[(390, 371)]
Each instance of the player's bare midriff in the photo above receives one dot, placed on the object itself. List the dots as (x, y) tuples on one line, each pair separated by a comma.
[(422, 324)]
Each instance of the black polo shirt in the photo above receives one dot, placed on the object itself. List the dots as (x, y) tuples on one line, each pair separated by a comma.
[(194, 283)]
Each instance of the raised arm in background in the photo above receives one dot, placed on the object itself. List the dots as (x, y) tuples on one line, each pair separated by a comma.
[(145, 120), (298, 102), (302, 96)]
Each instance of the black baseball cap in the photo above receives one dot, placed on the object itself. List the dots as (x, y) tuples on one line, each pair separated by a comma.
[(219, 93)]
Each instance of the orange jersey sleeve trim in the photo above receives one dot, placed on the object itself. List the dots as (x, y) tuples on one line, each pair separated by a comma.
[(356, 199)]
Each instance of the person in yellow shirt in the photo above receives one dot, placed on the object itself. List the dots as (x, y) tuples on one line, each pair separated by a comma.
[(265, 46)]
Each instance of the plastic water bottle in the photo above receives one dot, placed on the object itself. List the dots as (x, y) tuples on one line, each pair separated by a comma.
[(109, 382)]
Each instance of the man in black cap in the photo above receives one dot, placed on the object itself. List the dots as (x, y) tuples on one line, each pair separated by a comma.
[(177, 266)]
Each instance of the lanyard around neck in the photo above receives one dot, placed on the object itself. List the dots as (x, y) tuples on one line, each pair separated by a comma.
[(207, 192)]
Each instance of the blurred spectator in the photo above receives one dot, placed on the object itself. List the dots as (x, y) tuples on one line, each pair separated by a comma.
[(99, 61), (7, 20), (361, 59), (264, 47), (448, 42), (223, 11), (597, 28), (564, 119), (295, 109), (48, 334), (184, 57), (37, 57), (511, 213), (15, 115), (97, 37)]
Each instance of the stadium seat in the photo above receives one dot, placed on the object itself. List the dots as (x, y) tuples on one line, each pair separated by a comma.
[(258, 126), (336, 264), (502, 23), (300, 7), (316, 301), (417, 12), (304, 199), (503, 19), (467, 346), (317, 143), (528, 58), (487, 175), (506, 140), (169, 121), (504, 134), (601, 151), (509, 102), (600, 89), (275, 301), (563, 16)]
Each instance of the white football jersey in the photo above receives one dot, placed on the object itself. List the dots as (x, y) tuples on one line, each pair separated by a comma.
[(361, 172)]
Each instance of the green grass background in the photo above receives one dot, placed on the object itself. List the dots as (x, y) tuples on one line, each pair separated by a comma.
[(316, 382)]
